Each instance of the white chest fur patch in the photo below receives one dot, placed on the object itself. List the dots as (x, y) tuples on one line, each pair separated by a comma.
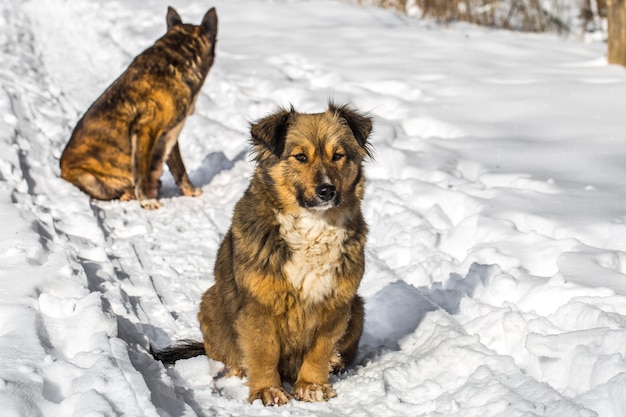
[(316, 253)]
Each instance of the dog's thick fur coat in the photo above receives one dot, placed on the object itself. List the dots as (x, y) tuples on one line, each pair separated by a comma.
[(284, 306), (118, 147)]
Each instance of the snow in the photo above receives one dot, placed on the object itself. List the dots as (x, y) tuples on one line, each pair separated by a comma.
[(496, 261)]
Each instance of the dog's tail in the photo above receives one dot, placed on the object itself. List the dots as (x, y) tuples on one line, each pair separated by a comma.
[(183, 350)]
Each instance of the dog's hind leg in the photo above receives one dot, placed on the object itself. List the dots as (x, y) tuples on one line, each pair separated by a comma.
[(99, 186)]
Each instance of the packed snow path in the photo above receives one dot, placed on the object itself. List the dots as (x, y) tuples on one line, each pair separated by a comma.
[(496, 262)]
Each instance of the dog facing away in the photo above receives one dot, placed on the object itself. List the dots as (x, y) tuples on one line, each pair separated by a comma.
[(118, 147), (284, 307)]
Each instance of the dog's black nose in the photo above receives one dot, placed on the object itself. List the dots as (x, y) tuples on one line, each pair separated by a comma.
[(326, 192)]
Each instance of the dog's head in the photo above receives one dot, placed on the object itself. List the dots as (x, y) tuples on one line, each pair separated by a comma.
[(186, 37), (313, 161)]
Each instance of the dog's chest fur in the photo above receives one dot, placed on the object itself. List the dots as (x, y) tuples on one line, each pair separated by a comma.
[(316, 255)]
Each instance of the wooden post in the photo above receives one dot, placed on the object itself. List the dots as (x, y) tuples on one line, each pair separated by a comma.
[(617, 32)]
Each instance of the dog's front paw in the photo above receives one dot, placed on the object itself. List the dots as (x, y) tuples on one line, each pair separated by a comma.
[(191, 191), (150, 204), (270, 396), (314, 392)]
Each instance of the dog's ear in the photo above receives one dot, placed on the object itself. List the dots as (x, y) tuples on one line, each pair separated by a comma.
[(173, 18), (271, 131), (360, 124), (209, 22)]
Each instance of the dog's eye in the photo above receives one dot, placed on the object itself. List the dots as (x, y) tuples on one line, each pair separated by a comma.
[(338, 156), (301, 157)]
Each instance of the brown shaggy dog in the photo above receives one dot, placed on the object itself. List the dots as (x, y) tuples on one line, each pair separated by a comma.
[(284, 305), (118, 148)]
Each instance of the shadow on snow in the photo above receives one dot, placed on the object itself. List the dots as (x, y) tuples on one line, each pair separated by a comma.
[(398, 309), (212, 164)]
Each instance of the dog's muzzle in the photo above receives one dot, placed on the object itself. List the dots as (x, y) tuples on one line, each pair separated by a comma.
[(326, 192), (325, 197)]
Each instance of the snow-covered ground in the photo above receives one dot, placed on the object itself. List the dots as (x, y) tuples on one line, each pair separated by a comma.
[(496, 262)]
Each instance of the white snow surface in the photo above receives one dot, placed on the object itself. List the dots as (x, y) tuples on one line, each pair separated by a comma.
[(495, 282)]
